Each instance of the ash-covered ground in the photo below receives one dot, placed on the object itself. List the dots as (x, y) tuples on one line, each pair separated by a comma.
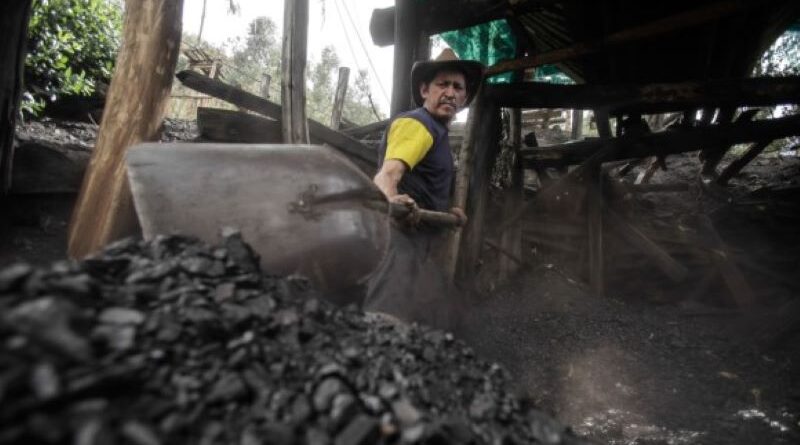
[(651, 362)]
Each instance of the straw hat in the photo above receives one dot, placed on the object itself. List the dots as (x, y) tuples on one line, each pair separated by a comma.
[(446, 61)]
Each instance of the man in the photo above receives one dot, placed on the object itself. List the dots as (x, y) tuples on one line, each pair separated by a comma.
[(416, 169)]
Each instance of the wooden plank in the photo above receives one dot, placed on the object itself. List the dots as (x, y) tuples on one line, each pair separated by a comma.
[(650, 98), (338, 99), (145, 63), (632, 234), (703, 14), (221, 125), (666, 142), (293, 68), (738, 164), (14, 17), (354, 149)]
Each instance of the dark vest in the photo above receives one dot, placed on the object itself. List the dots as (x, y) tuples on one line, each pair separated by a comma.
[(429, 182)]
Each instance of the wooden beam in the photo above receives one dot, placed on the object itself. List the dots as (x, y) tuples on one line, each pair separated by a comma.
[(436, 17), (134, 110), (650, 98), (666, 142), (338, 99), (340, 141), (629, 232), (737, 165), (14, 17), (293, 68), (662, 26)]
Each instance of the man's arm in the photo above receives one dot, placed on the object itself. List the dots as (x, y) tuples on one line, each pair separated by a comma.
[(387, 179)]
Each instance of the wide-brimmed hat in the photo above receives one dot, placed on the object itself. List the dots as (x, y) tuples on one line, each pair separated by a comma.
[(446, 61)]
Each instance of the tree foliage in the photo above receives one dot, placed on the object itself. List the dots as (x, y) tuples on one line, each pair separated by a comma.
[(72, 48)]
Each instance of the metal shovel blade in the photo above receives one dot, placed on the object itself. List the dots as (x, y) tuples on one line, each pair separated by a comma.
[(305, 209)]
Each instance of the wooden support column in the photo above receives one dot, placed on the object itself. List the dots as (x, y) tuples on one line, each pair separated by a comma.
[(576, 132), (338, 99), (485, 147), (594, 210), (14, 16), (406, 42), (511, 238), (135, 107), (293, 67)]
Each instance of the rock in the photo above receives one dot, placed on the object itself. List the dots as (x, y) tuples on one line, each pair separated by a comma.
[(46, 320), (194, 338), (326, 391), (13, 276), (45, 381), (139, 433), (362, 430), (121, 315)]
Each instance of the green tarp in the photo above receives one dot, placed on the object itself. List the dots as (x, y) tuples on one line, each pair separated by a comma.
[(492, 42)]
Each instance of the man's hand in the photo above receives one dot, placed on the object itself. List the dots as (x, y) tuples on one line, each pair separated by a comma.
[(413, 209), (458, 212)]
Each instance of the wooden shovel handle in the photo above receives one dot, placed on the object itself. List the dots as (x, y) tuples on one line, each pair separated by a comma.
[(442, 219)]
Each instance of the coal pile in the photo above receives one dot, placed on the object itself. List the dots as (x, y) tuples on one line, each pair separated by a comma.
[(174, 341)]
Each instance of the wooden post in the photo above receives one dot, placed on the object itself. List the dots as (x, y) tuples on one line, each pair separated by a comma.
[(511, 238), (14, 16), (135, 107), (484, 148), (293, 67), (266, 79), (577, 125), (594, 210), (406, 42), (338, 100)]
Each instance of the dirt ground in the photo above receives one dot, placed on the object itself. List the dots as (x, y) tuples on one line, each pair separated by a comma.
[(649, 363)]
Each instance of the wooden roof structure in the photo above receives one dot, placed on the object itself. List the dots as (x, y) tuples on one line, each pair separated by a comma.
[(623, 40), (628, 58)]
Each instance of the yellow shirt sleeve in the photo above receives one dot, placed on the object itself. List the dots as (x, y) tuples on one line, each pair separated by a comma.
[(408, 141)]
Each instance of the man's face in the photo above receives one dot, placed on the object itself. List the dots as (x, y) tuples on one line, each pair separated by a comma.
[(445, 95)]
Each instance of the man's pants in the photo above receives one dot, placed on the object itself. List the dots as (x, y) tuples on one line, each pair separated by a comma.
[(410, 282)]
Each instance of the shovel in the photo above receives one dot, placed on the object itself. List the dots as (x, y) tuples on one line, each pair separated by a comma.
[(305, 209)]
